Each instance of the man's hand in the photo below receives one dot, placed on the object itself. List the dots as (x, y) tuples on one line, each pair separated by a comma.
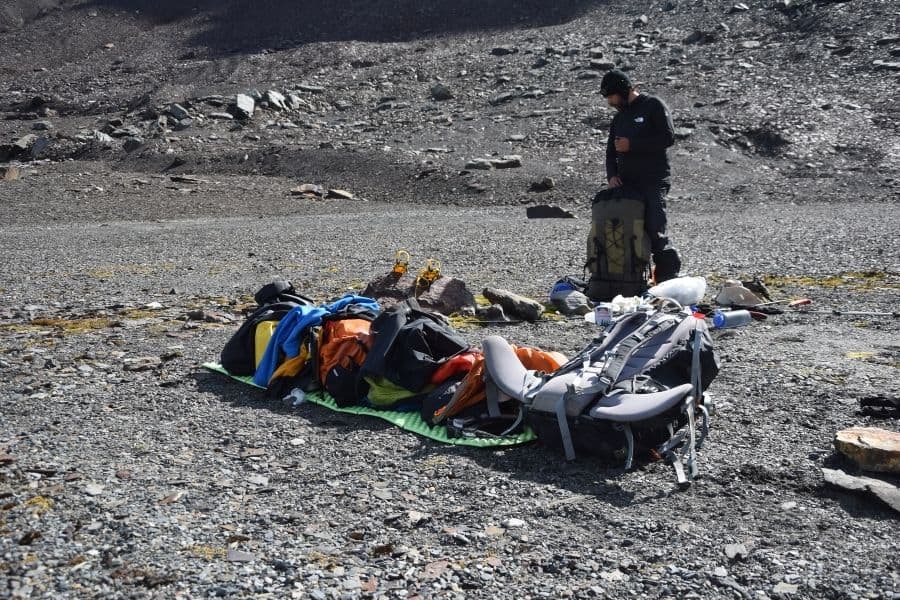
[(615, 181), (622, 144)]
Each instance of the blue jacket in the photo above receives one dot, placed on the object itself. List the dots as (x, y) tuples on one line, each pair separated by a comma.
[(289, 334)]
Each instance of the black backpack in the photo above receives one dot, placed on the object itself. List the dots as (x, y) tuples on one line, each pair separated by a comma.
[(274, 300), (410, 344), (618, 248)]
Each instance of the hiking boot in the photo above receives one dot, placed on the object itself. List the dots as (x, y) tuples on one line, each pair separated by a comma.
[(667, 264)]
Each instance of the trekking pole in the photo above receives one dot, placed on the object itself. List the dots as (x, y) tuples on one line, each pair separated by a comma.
[(850, 313), (790, 303)]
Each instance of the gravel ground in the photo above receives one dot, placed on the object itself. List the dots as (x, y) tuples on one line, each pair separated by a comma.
[(128, 471), (170, 480)]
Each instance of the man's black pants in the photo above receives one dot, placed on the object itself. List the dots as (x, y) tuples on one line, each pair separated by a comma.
[(665, 257)]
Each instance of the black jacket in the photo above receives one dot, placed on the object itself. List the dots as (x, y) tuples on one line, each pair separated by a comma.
[(646, 122)]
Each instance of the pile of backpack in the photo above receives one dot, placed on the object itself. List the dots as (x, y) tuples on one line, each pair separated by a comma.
[(404, 358), (636, 392)]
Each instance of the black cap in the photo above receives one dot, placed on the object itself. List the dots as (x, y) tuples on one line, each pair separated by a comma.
[(615, 82)]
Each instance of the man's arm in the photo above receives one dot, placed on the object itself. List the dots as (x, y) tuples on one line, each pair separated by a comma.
[(662, 127), (612, 168)]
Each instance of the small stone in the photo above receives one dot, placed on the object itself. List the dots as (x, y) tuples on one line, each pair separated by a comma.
[(513, 523), (171, 498), (441, 92), (275, 100), (514, 304), (720, 572), (788, 505), (261, 480), (244, 106), (641, 21), (416, 518), (548, 211), (510, 161), (785, 588), (132, 143), (10, 173), (544, 185), (239, 556), (178, 112), (739, 7), (502, 98), (93, 489), (504, 50), (602, 65), (42, 126), (736, 551)]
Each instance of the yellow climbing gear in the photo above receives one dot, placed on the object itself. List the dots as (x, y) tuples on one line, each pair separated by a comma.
[(401, 262)]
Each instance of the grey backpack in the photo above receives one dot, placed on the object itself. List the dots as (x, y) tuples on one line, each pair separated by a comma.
[(637, 389)]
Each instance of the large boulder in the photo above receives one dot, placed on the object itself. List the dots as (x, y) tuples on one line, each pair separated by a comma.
[(446, 295)]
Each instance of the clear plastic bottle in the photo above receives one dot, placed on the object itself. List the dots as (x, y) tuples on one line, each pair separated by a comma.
[(723, 319)]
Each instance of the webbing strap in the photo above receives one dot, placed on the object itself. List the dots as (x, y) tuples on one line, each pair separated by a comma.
[(492, 392), (695, 360), (564, 431), (617, 359)]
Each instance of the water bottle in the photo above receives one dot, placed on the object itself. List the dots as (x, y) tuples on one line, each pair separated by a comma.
[(723, 319)]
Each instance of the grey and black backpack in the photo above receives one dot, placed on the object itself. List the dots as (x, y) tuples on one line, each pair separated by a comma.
[(636, 391)]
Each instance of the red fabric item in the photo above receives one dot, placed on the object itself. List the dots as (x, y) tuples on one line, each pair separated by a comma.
[(457, 365)]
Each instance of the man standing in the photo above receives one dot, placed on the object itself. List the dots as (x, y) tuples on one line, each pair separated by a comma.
[(636, 157)]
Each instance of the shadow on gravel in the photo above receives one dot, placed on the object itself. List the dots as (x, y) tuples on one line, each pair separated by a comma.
[(237, 26), (585, 477)]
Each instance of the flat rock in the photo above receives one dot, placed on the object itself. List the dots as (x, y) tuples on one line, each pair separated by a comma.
[(885, 65), (339, 194), (871, 448), (178, 111), (482, 164), (548, 211), (510, 161), (513, 304), (602, 65), (885, 491), (244, 106), (308, 189), (275, 100), (502, 98), (504, 50), (239, 556)]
